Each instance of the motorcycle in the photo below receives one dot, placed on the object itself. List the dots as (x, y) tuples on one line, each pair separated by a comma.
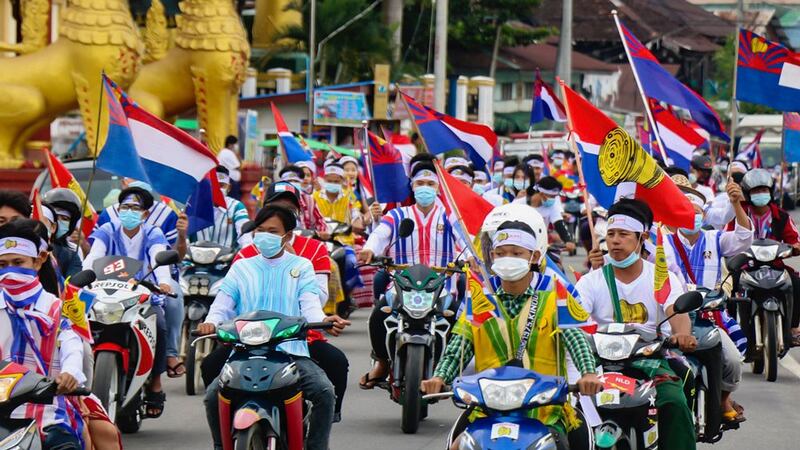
[(204, 267), (627, 404), (124, 330), (416, 330), (764, 292), (344, 257), (504, 396), (19, 385), (260, 404)]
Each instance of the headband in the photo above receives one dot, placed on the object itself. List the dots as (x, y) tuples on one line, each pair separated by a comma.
[(132, 199), (624, 222), (511, 236), (347, 159), (18, 246), (223, 178), (456, 161), (425, 175), (695, 199), (334, 170), (308, 165), (536, 163), (481, 176), (290, 176), (498, 165), (553, 192), (508, 171), (461, 175)]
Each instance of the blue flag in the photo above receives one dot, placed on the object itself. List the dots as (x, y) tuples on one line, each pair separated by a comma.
[(200, 207)]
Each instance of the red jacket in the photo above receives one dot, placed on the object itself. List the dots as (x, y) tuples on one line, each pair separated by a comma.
[(781, 227)]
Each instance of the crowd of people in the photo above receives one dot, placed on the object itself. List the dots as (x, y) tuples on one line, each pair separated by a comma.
[(284, 265)]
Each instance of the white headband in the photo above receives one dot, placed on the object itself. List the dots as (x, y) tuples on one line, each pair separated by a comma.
[(334, 170), (132, 199), (498, 165), (308, 165), (347, 159), (695, 200), (18, 246), (481, 176), (223, 178), (514, 237), (456, 161), (290, 176), (623, 222), (547, 191), (536, 163), (426, 175), (508, 171)]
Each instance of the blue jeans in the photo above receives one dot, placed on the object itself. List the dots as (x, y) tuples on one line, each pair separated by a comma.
[(317, 389), (173, 307)]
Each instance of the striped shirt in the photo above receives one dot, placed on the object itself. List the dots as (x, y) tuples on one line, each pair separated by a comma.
[(227, 227), (161, 216), (461, 350)]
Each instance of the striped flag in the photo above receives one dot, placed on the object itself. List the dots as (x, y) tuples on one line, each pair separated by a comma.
[(292, 149), (752, 153), (545, 103), (679, 139)]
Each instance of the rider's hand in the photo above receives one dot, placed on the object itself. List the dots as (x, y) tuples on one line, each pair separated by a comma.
[(165, 288), (339, 324), (182, 225), (734, 192), (590, 384), (376, 211), (686, 342), (596, 259), (66, 383), (206, 328), (569, 246), (432, 385), (365, 256)]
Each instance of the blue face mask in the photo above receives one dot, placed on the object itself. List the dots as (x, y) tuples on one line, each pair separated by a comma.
[(424, 195), (508, 182), (549, 202), (268, 244), (520, 184), (497, 178), (760, 199), (625, 263), (479, 188), (63, 229), (333, 188), (130, 219), (698, 225)]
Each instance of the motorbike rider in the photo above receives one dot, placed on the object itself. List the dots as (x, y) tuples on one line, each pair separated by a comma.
[(432, 242), (67, 208), (309, 181), (700, 175), (545, 197), (33, 334), (337, 203), (771, 222), (309, 215), (698, 253), (464, 174), (134, 238), (282, 282), (516, 261), (622, 292), (228, 221)]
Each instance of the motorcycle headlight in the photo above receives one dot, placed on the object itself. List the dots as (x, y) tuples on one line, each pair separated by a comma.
[(547, 442), (108, 313), (256, 333), (614, 347), (204, 255), (766, 253), (648, 350), (502, 395), (418, 303), (544, 397), (227, 374), (465, 396)]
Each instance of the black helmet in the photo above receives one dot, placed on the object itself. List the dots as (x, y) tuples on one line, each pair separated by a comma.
[(702, 162)]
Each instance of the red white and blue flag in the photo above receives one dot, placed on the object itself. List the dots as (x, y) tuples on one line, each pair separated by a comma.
[(767, 73), (390, 181), (292, 149), (659, 84), (590, 128), (679, 140), (545, 103), (791, 136), (140, 145), (752, 153), (443, 133)]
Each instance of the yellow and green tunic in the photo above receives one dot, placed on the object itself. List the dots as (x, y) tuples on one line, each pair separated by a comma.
[(494, 342)]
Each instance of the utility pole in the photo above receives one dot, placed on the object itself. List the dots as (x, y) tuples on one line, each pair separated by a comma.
[(564, 57), (312, 73), (440, 55)]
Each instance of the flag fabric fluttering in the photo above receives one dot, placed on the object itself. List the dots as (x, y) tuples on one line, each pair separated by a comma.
[(659, 84), (292, 149), (661, 288), (546, 104), (791, 136), (570, 312), (767, 73), (146, 148), (752, 152), (61, 177), (201, 205), (471, 207), (679, 140), (480, 306), (36, 205), (615, 165), (390, 182), (76, 303), (443, 133)]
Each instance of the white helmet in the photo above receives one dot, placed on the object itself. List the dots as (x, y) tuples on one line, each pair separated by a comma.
[(510, 212)]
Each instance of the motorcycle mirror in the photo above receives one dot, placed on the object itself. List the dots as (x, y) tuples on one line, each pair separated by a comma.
[(406, 228), (687, 302), (167, 258), (83, 278), (736, 262)]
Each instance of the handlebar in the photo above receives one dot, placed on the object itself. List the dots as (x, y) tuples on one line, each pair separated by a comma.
[(319, 326), (155, 289), (387, 263), (81, 391)]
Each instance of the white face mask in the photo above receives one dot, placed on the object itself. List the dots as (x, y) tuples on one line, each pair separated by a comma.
[(509, 268)]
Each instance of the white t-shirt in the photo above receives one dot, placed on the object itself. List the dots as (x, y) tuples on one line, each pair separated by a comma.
[(228, 159), (637, 300)]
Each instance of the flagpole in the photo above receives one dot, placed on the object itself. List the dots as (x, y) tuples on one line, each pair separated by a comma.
[(783, 153), (579, 161), (653, 124), (94, 159)]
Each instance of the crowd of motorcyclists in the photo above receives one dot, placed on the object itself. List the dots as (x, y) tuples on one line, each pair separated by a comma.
[(278, 280)]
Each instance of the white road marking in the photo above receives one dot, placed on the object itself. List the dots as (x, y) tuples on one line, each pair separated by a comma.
[(790, 364)]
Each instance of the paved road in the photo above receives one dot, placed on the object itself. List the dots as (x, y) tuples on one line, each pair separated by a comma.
[(372, 421)]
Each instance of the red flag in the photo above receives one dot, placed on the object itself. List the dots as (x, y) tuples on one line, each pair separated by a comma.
[(61, 177), (36, 203), (466, 204)]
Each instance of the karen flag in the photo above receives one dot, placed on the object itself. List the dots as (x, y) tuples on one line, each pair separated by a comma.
[(443, 133), (291, 147), (615, 165), (659, 84), (791, 136), (390, 181), (767, 73), (146, 148), (679, 139), (545, 103)]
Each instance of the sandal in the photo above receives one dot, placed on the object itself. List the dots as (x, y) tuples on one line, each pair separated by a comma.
[(738, 408), (366, 383), (154, 404), (172, 371)]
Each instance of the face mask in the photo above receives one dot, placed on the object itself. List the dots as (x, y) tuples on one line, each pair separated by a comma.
[(268, 244), (425, 195), (497, 178), (737, 177), (625, 263), (333, 188), (549, 202), (509, 268), (692, 178), (63, 229), (130, 219), (19, 279), (760, 199), (508, 182), (520, 184), (558, 162), (698, 224), (479, 188)]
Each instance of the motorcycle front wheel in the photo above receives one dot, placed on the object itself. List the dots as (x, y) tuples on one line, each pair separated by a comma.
[(770, 333), (412, 397), (194, 356), (106, 384), (254, 438)]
